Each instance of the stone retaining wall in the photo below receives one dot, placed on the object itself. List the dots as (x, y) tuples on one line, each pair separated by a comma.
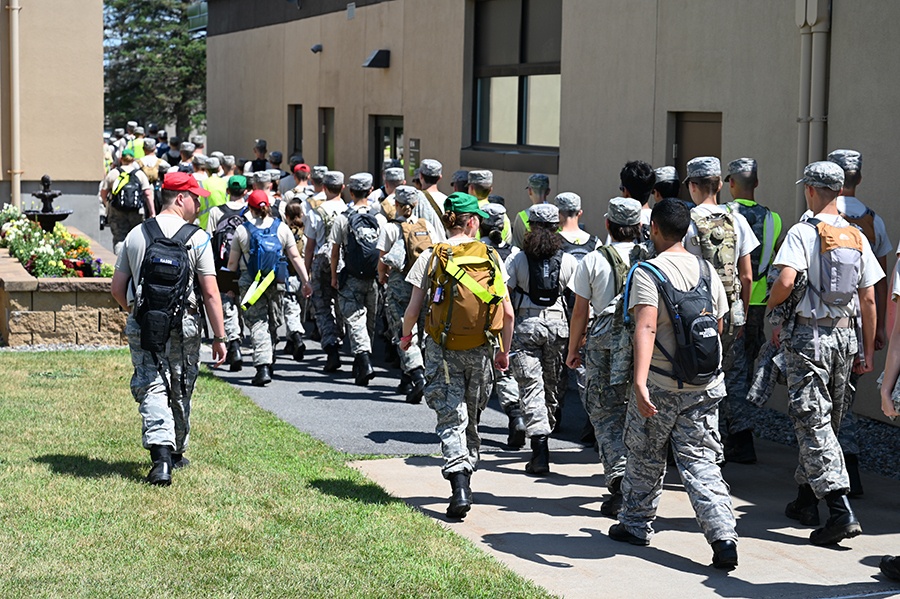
[(58, 310)]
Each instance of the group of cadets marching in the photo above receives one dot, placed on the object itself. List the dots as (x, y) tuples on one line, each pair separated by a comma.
[(659, 321)]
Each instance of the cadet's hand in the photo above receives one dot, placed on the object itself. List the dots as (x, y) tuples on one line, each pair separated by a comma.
[(306, 290), (863, 365), (230, 294), (738, 332), (573, 361), (382, 279), (334, 282), (406, 342), (776, 334), (218, 353), (501, 361), (887, 404), (645, 406), (880, 337)]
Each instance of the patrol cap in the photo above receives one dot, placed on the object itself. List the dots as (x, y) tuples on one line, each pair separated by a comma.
[(333, 178), (495, 198), (665, 173), (131, 125), (495, 213), (197, 140), (406, 195), (393, 174), (228, 160), (360, 182), (179, 181), (198, 159), (849, 160), (544, 213), (568, 201), (823, 174), (460, 177), (188, 147), (703, 166), (138, 130), (741, 165), (162, 135), (390, 163), (262, 177), (259, 144), (118, 132), (538, 181), (485, 178), (212, 163), (624, 211), (127, 152), (217, 154), (237, 182), (463, 203), (318, 173), (274, 173), (275, 157), (149, 143), (431, 168), (258, 198)]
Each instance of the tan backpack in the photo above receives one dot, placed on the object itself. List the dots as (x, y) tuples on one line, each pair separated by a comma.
[(416, 239)]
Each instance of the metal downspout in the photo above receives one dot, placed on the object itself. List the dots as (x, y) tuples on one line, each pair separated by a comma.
[(15, 116), (803, 116)]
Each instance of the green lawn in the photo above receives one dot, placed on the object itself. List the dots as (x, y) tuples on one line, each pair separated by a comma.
[(264, 510)]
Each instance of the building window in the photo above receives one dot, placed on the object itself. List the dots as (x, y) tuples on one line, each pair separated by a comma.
[(517, 73)]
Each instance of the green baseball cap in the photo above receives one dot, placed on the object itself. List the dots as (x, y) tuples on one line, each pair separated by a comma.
[(128, 152), (463, 203), (237, 182)]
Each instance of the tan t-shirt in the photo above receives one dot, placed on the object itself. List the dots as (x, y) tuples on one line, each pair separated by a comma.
[(683, 270), (200, 253)]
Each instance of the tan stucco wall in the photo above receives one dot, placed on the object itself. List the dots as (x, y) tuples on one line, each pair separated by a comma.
[(61, 49)]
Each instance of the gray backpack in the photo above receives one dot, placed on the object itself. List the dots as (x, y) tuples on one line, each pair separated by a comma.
[(840, 261)]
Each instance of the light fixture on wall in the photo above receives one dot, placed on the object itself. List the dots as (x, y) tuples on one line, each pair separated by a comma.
[(316, 49), (379, 59)]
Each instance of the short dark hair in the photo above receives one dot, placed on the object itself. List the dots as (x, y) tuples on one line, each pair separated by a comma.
[(667, 189), (707, 185), (672, 217), (624, 232), (429, 181), (481, 191), (852, 178), (334, 188), (167, 197), (638, 178), (359, 194), (746, 180)]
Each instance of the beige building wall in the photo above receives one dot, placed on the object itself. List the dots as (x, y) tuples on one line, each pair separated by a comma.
[(61, 53)]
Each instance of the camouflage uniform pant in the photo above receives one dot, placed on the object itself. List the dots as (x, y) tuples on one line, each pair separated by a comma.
[(231, 314), (754, 337), (358, 299), (605, 398), (818, 392), (689, 421), (397, 294), (538, 345), (324, 301), (263, 319), (737, 412), (457, 389), (120, 223), (507, 389), (293, 306), (165, 415)]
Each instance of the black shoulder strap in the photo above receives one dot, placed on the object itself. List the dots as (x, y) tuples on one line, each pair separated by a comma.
[(185, 233), (151, 228)]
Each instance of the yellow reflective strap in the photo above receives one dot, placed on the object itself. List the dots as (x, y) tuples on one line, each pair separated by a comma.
[(471, 284), (120, 182), (257, 289)]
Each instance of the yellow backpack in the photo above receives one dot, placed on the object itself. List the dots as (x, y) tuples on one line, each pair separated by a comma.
[(466, 289)]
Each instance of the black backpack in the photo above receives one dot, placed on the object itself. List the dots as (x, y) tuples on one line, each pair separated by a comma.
[(231, 219), (360, 254), (164, 281), (579, 250), (127, 193), (543, 279), (698, 349)]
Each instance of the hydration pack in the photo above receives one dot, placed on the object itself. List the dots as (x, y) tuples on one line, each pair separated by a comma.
[(543, 279), (717, 240), (231, 219), (127, 194), (840, 260), (266, 252), (578, 250), (360, 254)]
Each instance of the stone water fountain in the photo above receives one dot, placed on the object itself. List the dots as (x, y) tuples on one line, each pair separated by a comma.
[(47, 216)]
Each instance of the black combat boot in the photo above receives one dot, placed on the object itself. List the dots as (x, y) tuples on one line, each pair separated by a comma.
[(363, 367), (851, 460), (516, 438), (233, 357), (841, 523), (161, 472), (539, 464), (739, 448), (263, 375), (890, 567), (179, 461), (724, 554), (805, 508), (405, 383), (333, 360), (461, 500), (298, 347), (612, 506), (417, 385), (391, 356)]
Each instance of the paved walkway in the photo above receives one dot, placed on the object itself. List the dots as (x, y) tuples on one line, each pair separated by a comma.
[(550, 530)]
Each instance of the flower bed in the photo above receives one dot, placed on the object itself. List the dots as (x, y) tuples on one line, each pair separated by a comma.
[(55, 254)]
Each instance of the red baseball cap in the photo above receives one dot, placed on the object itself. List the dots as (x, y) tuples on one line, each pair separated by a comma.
[(179, 181), (301, 168), (258, 198)]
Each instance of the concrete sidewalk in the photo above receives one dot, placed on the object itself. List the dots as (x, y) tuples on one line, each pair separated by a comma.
[(550, 529)]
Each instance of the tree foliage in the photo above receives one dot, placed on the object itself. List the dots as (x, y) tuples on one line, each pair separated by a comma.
[(155, 68)]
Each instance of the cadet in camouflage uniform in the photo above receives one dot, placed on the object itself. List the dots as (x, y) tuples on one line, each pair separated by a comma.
[(163, 390), (293, 301), (607, 349), (458, 381), (318, 262), (357, 296), (541, 332), (120, 222), (392, 269), (666, 411), (820, 352), (263, 317)]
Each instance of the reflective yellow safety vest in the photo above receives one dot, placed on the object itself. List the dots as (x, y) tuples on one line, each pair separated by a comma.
[(138, 148), (766, 227), (218, 195)]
